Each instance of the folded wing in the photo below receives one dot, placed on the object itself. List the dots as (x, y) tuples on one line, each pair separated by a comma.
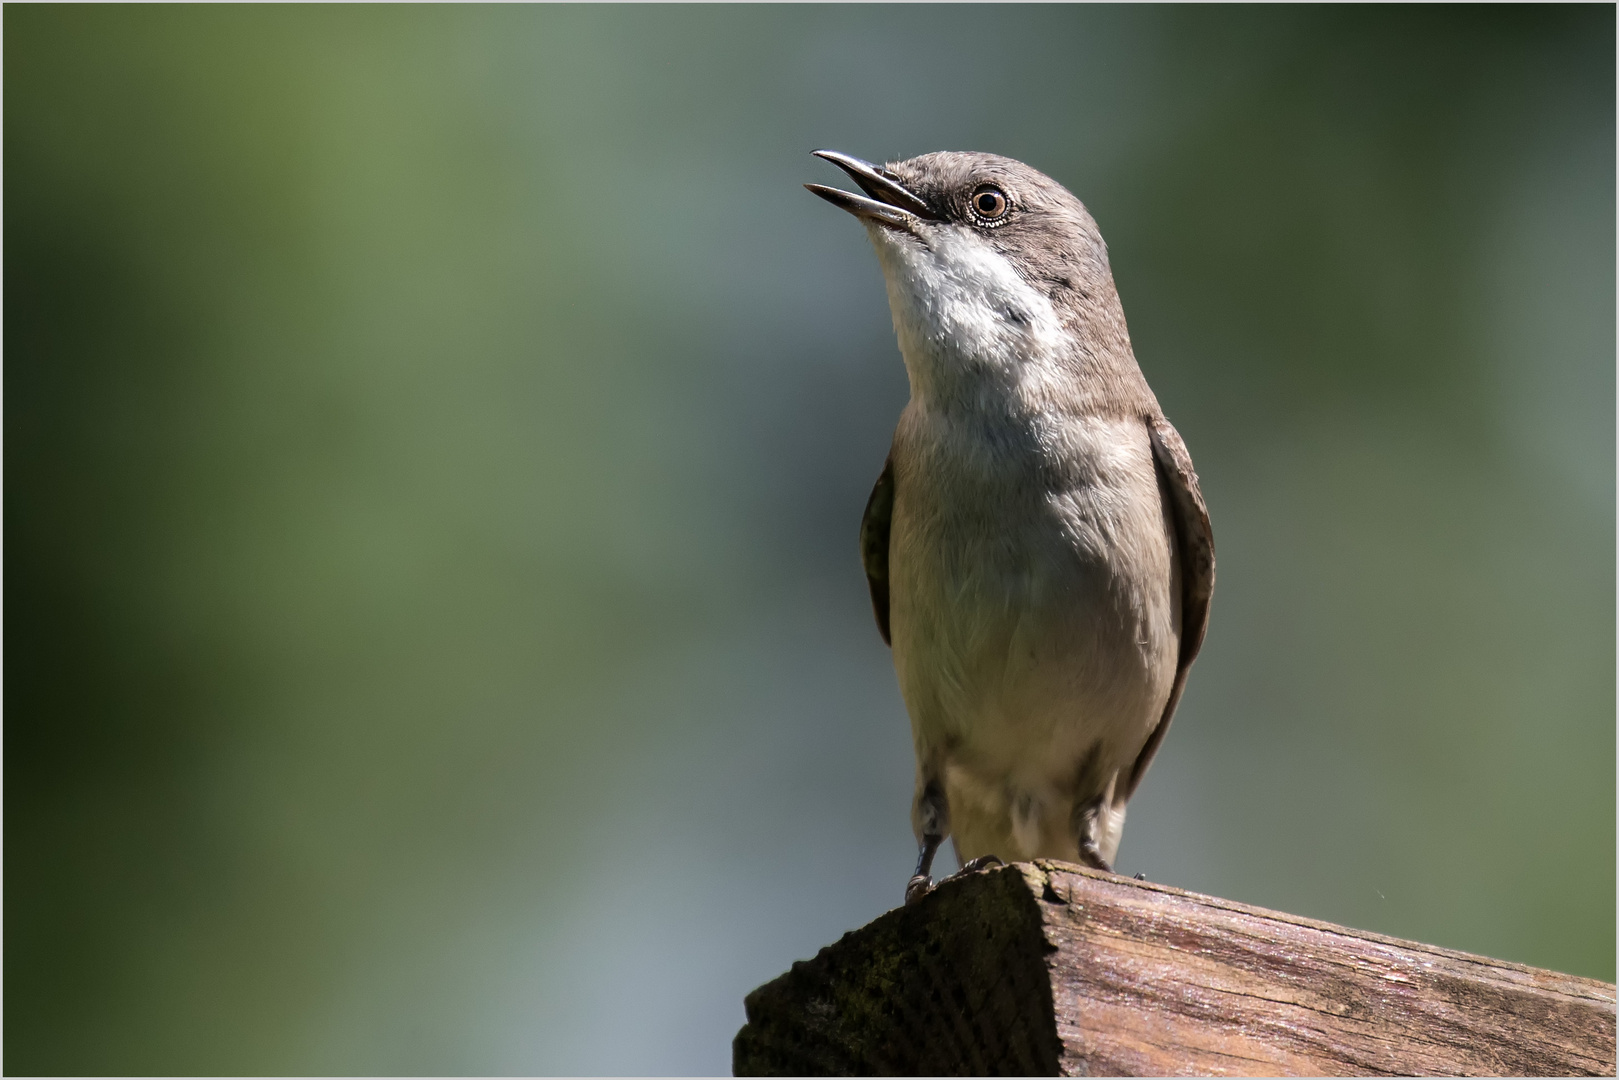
[(1194, 548), (874, 530)]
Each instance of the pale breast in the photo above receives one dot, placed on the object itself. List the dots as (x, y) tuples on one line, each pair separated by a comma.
[(1033, 620)]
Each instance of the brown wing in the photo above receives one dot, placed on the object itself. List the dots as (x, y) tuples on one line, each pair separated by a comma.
[(874, 529), (1194, 547)]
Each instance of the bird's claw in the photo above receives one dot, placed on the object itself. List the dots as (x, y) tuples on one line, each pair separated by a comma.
[(983, 862), (918, 887)]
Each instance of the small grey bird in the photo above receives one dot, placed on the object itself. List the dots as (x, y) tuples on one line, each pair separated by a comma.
[(1038, 551)]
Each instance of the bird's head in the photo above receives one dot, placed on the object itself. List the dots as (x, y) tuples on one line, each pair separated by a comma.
[(987, 260)]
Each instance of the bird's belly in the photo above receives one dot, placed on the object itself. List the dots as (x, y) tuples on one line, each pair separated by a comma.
[(1035, 637), (1023, 663)]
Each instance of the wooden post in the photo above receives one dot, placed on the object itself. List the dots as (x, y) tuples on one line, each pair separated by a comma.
[(1052, 969)]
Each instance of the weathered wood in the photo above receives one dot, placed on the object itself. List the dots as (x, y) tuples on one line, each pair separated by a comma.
[(1052, 969)]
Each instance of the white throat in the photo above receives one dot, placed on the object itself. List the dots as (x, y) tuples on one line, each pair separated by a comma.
[(974, 334)]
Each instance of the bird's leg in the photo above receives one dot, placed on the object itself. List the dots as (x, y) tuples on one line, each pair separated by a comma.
[(921, 882), (1087, 822), (931, 816)]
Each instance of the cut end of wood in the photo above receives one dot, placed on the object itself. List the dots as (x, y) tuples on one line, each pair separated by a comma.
[(1046, 969)]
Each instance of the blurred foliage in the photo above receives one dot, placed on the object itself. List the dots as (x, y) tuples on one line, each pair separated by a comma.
[(435, 438)]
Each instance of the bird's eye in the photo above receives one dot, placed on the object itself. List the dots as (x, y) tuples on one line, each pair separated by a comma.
[(988, 203)]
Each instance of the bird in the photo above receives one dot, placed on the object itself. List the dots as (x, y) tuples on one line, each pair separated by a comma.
[(1037, 547)]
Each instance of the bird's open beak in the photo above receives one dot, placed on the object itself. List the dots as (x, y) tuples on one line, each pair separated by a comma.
[(890, 202)]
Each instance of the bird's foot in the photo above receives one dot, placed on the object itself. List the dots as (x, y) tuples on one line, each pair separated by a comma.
[(983, 862), (918, 887), (1091, 856)]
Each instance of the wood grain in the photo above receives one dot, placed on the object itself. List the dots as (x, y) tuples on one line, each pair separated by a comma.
[(1053, 969)]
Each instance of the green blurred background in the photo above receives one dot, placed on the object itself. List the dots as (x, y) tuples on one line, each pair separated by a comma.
[(435, 440)]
